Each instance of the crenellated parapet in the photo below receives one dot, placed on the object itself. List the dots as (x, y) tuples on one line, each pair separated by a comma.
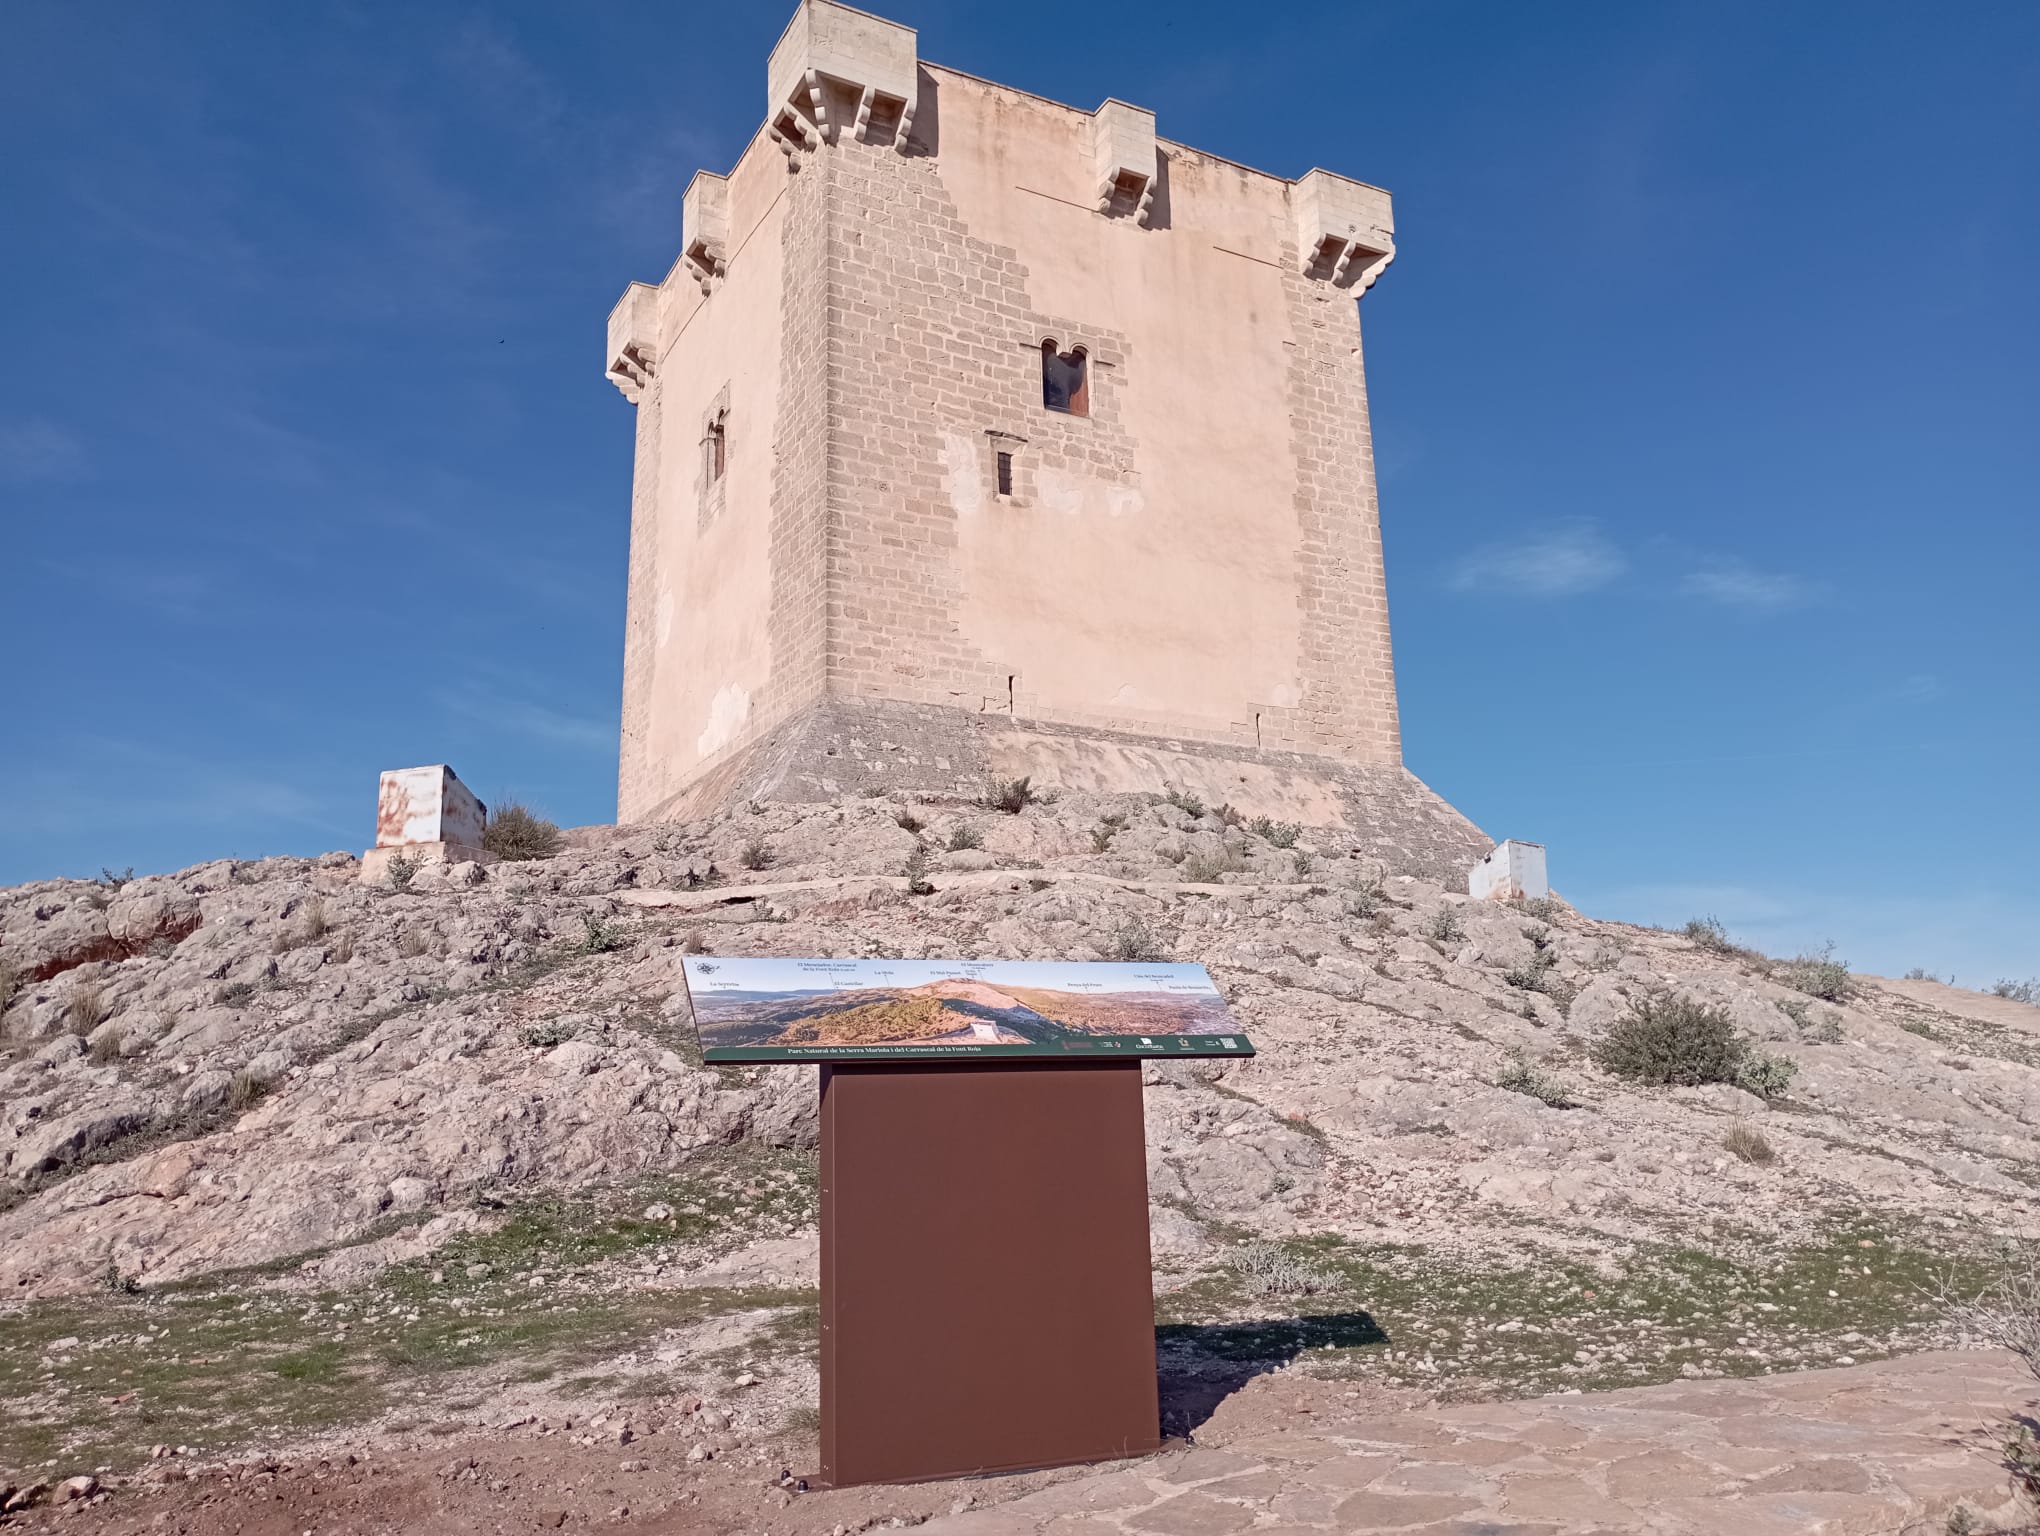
[(830, 51), (1345, 229)]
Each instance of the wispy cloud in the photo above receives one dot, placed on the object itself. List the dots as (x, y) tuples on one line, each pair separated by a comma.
[(1733, 584), (525, 717), (39, 449), (1557, 562)]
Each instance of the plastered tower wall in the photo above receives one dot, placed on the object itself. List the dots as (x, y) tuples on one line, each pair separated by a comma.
[(859, 310)]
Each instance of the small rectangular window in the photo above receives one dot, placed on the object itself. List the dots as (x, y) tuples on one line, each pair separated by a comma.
[(1005, 474), (718, 450)]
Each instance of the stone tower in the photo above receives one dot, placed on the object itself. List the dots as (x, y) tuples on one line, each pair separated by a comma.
[(979, 435)]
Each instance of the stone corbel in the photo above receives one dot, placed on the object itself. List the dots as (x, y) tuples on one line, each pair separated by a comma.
[(704, 228)]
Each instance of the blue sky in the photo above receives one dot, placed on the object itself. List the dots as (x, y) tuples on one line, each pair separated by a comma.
[(1704, 387)]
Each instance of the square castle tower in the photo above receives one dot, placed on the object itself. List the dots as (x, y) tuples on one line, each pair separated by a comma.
[(979, 436)]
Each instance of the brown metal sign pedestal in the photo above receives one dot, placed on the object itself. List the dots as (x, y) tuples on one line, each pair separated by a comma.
[(987, 1303)]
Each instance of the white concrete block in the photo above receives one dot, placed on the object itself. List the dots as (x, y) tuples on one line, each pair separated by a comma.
[(1343, 228), (1512, 871), (427, 805)]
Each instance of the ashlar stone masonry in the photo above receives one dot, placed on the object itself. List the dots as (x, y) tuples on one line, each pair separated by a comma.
[(979, 434)]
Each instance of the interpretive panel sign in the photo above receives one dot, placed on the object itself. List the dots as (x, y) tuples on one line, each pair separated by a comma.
[(881, 1010)]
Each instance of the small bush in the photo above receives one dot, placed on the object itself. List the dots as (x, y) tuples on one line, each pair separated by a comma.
[(245, 1091), (1208, 868), (1819, 975), (1708, 933), (402, 872), (1281, 834), (105, 1049), (341, 950), (515, 833), (1444, 926), (1519, 1076), (1747, 1143), (1229, 816), (1546, 909), (907, 821), (599, 936), (1101, 838), (235, 994), (1916, 974), (1797, 1009), (413, 942), (1133, 940), (87, 1008), (963, 835), (755, 855), (2017, 991), (1671, 1041), (692, 943), (115, 1280), (1764, 1075), (1188, 804), (918, 883), (1301, 863), (111, 881), (1826, 1030), (311, 925), (548, 1033), (1269, 1269), (1364, 900), (1009, 795)]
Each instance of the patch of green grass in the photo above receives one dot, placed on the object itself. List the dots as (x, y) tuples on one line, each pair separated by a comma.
[(1404, 1315), (231, 1359)]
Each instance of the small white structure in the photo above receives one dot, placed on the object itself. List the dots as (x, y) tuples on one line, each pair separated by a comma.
[(1513, 871), (429, 817)]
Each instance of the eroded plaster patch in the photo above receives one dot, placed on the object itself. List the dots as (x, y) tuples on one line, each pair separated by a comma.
[(1062, 491), (727, 713), (961, 474)]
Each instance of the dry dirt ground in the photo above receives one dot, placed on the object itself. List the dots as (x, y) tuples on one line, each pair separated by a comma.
[(292, 1167)]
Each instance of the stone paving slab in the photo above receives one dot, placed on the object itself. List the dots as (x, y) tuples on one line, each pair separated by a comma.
[(1868, 1450)]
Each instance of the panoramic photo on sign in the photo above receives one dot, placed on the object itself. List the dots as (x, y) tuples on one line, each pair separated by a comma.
[(837, 1010)]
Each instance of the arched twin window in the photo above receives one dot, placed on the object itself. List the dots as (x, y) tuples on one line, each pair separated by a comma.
[(1065, 379)]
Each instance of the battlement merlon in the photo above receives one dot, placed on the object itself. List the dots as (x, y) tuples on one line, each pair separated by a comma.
[(1341, 225), (634, 340), (876, 59)]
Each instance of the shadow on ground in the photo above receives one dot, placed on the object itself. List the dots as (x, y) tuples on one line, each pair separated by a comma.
[(1200, 1365)]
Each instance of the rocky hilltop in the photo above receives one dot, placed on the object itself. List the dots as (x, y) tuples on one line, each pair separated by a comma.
[(273, 1071)]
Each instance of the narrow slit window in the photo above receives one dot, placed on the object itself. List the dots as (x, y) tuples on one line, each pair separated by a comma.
[(1065, 380), (1005, 465), (718, 449)]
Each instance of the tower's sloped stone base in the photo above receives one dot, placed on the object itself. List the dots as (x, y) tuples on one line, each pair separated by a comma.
[(848, 747)]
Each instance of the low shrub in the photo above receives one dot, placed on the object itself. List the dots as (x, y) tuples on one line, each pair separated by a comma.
[(1744, 1141), (963, 836), (918, 883), (1269, 1269), (548, 1033), (413, 942), (1133, 940), (235, 994), (1101, 838), (245, 1091), (755, 855), (2017, 991), (105, 1049), (1280, 834), (1708, 933), (907, 821), (1819, 975), (1519, 1076), (1228, 816), (1209, 868), (402, 871), (1444, 926), (1364, 900), (1188, 804), (514, 833), (599, 936), (87, 1008), (1671, 1041), (1009, 795)]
